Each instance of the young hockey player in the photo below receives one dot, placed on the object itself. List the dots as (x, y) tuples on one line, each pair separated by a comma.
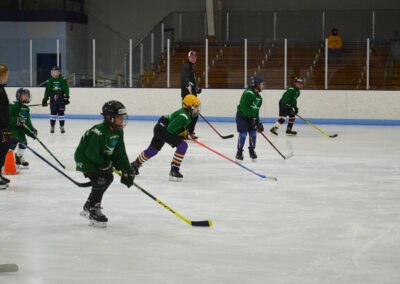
[(288, 107), (248, 118), (19, 122), (171, 129), (58, 91), (100, 150)]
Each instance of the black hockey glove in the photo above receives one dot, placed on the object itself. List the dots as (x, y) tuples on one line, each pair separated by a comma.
[(127, 177), (105, 167), (252, 122), (44, 102), (20, 121), (260, 126), (66, 101), (290, 110), (198, 90), (296, 110), (33, 133)]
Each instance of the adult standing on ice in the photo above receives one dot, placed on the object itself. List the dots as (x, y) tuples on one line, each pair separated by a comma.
[(5, 134), (189, 85)]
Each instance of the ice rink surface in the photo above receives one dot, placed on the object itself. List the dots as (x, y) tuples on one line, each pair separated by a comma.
[(332, 216)]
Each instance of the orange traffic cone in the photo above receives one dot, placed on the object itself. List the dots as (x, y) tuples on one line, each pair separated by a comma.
[(9, 165)]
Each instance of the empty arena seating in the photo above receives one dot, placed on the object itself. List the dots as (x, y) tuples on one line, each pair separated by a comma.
[(307, 60)]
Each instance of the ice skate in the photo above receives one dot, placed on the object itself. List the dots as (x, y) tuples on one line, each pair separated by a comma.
[(274, 131), (3, 185), (62, 129), (174, 174), (290, 132), (96, 217), (253, 154), (52, 128), (6, 180), (239, 155), (86, 210), (20, 162)]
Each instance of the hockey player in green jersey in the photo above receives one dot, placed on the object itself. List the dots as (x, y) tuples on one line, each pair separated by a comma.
[(248, 117), (58, 91), (171, 129), (100, 150), (288, 107), (19, 122)]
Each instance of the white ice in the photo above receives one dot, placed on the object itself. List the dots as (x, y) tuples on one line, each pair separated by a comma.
[(332, 216)]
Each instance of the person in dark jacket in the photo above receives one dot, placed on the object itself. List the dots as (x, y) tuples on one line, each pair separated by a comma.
[(189, 85), (4, 121)]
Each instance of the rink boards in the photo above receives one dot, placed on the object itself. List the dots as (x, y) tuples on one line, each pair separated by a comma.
[(320, 106)]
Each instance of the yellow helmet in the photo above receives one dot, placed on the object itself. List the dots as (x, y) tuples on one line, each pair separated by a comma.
[(190, 101)]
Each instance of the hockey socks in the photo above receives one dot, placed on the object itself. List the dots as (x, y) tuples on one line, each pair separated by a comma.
[(62, 120), (279, 122), (179, 154), (252, 138), (53, 119), (241, 140), (291, 122), (146, 155)]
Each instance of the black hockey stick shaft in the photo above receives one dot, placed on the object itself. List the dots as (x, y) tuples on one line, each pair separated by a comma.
[(44, 146), (269, 141), (34, 105), (222, 136), (9, 267), (309, 123), (86, 184), (192, 223)]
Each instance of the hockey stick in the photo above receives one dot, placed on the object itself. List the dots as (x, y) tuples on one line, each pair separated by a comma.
[(330, 136), (192, 223), (9, 267), (86, 184), (269, 141), (34, 105), (223, 156), (222, 136), (44, 146)]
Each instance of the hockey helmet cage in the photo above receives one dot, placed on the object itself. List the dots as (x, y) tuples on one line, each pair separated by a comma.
[(20, 92), (112, 109)]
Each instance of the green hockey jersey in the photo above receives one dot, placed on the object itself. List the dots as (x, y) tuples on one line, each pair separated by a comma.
[(98, 146), (178, 121), (56, 86), (250, 104), (290, 97), (20, 110)]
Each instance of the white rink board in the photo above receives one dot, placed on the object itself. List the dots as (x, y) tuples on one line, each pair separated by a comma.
[(380, 105)]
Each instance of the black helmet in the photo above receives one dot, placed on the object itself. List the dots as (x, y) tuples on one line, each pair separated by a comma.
[(19, 93), (255, 82), (54, 70), (298, 80), (112, 109)]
